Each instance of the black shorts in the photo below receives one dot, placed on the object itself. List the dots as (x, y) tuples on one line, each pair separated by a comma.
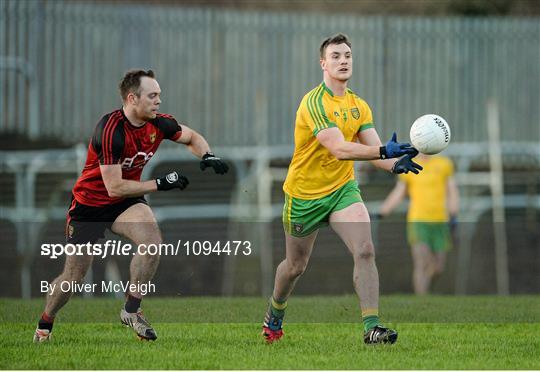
[(88, 224)]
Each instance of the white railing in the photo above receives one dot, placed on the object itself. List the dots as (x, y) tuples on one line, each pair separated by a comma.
[(253, 171)]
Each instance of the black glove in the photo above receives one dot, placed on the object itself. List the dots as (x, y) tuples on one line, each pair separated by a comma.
[(406, 165), (172, 181), (210, 160), (394, 149), (376, 217)]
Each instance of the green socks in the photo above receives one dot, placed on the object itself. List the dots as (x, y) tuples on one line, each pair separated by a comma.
[(370, 318), (277, 308)]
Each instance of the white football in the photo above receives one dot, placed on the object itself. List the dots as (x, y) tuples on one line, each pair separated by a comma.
[(430, 134)]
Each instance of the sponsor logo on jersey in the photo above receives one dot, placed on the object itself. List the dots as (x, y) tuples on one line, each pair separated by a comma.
[(137, 161), (344, 114)]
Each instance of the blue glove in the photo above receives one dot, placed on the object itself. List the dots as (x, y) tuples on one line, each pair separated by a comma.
[(394, 149), (406, 165), (452, 223)]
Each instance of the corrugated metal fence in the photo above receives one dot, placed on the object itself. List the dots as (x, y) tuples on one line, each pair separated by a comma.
[(238, 77)]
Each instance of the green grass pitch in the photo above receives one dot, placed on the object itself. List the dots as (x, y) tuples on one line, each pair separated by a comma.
[(435, 332)]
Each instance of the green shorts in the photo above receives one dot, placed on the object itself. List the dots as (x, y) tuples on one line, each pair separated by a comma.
[(436, 235), (301, 217)]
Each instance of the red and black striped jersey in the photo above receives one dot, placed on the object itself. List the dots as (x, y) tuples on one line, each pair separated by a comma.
[(117, 141)]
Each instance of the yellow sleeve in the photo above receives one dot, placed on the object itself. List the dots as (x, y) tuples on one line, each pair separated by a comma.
[(366, 117), (403, 178), (312, 112), (449, 168)]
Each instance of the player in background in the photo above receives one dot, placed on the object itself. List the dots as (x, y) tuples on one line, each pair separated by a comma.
[(110, 194), (433, 209), (333, 128)]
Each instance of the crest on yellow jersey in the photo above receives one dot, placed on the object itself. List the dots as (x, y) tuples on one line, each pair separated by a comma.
[(355, 113)]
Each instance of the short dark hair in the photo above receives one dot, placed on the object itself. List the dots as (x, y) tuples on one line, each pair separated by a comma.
[(335, 39), (131, 82)]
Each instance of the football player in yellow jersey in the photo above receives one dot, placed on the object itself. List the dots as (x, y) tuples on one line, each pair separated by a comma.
[(333, 128), (434, 204)]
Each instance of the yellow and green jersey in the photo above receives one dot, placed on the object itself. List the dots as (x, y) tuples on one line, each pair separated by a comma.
[(427, 190), (314, 172)]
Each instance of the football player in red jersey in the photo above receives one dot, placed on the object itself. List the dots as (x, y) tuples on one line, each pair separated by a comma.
[(110, 194)]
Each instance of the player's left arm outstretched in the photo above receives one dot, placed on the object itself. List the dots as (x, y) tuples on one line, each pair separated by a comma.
[(452, 201), (394, 198), (199, 147), (404, 164)]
